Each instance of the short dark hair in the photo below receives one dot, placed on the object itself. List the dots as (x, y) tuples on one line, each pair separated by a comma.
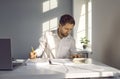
[(66, 19)]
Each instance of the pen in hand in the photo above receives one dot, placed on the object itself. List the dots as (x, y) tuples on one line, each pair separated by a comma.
[(32, 54), (32, 49)]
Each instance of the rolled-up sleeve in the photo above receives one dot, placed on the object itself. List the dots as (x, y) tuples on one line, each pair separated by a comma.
[(42, 46)]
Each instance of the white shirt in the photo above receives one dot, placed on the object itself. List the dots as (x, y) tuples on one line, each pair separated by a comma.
[(53, 47)]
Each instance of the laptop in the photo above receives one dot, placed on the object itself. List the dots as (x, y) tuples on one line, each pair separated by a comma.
[(6, 61)]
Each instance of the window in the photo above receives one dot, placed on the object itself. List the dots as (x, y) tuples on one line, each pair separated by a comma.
[(49, 5), (84, 21), (52, 23)]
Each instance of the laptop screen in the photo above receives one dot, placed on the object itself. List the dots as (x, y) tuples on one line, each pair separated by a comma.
[(5, 54)]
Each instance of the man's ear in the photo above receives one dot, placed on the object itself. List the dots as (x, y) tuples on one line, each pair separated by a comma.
[(60, 25)]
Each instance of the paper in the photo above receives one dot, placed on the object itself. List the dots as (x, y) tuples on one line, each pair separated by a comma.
[(60, 61), (92, 67), (37, 61)]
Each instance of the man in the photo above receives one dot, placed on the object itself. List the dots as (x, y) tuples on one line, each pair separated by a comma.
[(57, 43)]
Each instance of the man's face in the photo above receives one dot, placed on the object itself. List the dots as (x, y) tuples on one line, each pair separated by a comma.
[(66, 29)]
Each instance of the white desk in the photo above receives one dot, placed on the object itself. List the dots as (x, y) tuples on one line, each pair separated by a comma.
[(62, 68), (71, 70)]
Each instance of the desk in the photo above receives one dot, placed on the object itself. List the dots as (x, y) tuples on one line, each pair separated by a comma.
[(72, 70), (60, 69), (30, 72)]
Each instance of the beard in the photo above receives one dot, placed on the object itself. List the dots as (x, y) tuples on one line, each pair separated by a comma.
[(64, 34), (61, 33)]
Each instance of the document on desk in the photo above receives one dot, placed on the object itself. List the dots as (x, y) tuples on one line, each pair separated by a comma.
[(37, 61), (61, 61), (65, 65), (70, 67), (64, 62), (89, 67), (69, 62)]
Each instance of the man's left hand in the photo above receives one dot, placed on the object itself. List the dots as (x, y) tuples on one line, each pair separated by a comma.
[(75, 56)]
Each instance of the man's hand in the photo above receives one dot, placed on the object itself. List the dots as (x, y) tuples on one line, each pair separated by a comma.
[(33, 55), (75, 56)]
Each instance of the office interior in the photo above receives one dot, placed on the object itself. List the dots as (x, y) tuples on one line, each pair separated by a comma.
[(22, 21)]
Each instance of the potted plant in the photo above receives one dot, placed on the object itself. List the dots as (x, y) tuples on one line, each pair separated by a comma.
[(84, 41)]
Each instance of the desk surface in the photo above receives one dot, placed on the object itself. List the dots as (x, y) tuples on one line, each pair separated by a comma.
[(30, 72), (60, 68)]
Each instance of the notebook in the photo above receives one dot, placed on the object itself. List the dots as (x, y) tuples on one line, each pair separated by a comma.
[(6, 61)]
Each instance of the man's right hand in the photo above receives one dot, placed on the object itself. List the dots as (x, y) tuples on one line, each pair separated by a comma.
[(33, 55)]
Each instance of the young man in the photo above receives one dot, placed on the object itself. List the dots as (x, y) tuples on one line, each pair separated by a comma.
[(57, 43)]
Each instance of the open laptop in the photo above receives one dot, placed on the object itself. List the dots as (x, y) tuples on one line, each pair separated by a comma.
[(6, 61)]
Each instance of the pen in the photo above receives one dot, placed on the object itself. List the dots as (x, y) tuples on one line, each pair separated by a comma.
[(33, 54), (32, 49)]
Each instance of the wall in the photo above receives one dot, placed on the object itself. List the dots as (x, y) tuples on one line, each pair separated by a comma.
[(21, 21), (106, 31)]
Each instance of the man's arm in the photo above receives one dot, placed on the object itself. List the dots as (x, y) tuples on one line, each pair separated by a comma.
[(40, 50), (73, 50)]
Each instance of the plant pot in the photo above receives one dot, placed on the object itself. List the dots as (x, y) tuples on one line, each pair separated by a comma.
[(84, 46)]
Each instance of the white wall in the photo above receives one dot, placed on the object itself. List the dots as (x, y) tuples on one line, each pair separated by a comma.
[(21, 21), (106, 31)]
